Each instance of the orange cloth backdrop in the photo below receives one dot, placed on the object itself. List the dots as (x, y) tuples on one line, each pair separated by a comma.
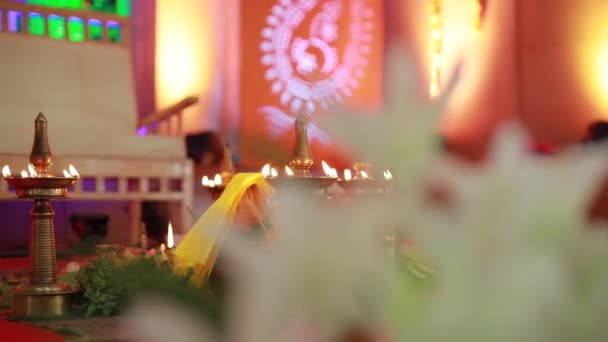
[(306, 55)]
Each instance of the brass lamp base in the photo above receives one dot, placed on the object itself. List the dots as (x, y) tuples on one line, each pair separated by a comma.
[(43, 302)]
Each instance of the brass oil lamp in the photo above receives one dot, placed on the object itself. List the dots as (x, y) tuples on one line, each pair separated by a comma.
[(42, 295), (301, 161)]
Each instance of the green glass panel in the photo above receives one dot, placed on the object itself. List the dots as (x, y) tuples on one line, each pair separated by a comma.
[(98, 5), (123, 8), (76, 29), (114, 32), (36, 26), (95, 29), (75, 4), (119, 7), (56, 27), (37, 2)]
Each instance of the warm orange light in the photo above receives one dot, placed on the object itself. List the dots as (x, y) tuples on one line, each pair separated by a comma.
[(66, 174), (288, 171), (589, 46), (364, 175), (476, 11), (452, 28), (388, 175), (24, 174), (205, 181), (436, 45), (217, 179), (185, 52)]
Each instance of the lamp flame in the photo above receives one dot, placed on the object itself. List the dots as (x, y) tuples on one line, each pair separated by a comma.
[(364, 175), (6, 171), (266, 171), (66, 174), (170, 242), (32, 170), (211, 183), (73, 171), (273, 173), (217, 179), (348, 175), (288, 171), (388, 175), (326, 168), (205, 181), (24, 174)]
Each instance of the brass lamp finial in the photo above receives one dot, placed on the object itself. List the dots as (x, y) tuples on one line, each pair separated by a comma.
[(301, 158), (41, 156)]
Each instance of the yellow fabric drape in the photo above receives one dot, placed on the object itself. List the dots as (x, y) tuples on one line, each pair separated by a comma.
[(202, 240)]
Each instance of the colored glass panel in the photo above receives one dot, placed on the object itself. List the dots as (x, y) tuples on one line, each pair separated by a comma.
[(123, 7), (95, 29), (56, 27), (119, 7), (36, 25), (114, 31), (15, 21), (76, 29)]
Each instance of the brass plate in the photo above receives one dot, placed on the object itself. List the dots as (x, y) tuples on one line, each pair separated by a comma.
[(40, 182), (363, 184), (318, 183)]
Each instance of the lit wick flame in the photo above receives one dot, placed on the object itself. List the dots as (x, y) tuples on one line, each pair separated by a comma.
[(217, 179), (269, 172), (211, 183), (364, 175), (73, 171), (170, 242), (31, 170), (266, 171), (6, 171), (388, 175), (329, 171), (24, 174), (288, 171), (348, 175), (66, 174)]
